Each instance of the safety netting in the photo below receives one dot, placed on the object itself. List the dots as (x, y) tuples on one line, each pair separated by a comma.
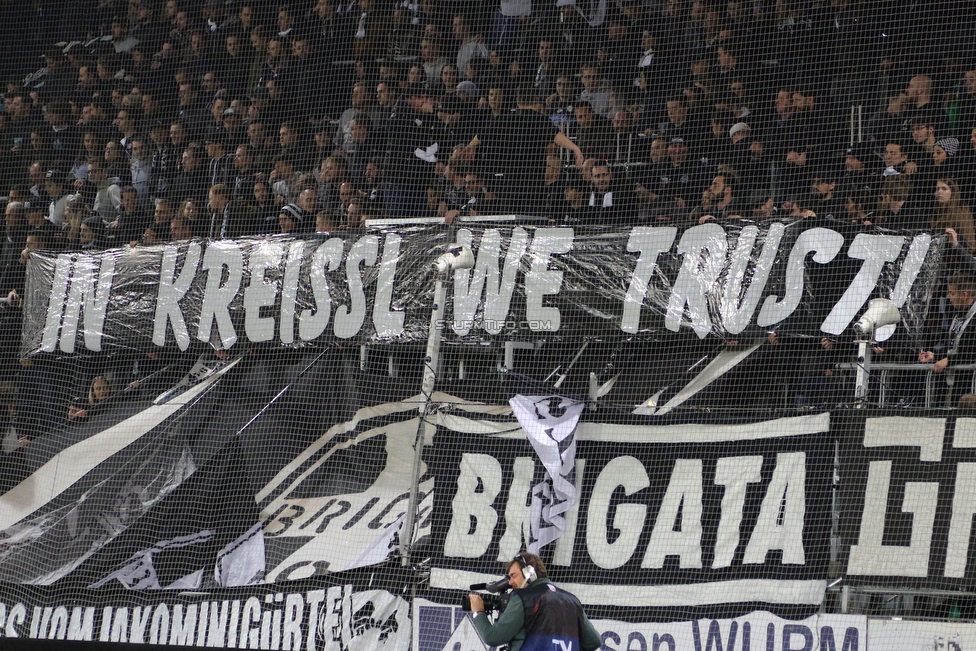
[(313, 316)]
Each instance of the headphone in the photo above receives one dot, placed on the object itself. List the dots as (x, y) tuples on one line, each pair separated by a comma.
[(528, 572)]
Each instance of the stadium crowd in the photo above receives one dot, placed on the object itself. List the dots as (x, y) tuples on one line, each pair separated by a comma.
[(155, 120)]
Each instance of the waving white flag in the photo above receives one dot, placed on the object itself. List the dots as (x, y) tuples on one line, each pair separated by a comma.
[(550, 423)]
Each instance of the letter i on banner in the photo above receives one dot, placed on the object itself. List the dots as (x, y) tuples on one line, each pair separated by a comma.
[(550, 423)]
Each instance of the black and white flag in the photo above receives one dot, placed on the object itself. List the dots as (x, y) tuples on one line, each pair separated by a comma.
[(550, 423)]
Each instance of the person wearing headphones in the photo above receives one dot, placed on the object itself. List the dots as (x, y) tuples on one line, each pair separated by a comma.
[(538, 616)]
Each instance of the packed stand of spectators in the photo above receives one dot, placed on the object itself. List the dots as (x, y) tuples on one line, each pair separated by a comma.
[(155, 120)]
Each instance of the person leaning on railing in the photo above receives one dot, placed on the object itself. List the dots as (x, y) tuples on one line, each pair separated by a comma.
[(958, 345)]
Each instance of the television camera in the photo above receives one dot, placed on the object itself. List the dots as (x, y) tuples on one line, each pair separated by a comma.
[(495, 595)]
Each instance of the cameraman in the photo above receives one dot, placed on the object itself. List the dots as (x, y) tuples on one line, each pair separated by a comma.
[(537, 614)]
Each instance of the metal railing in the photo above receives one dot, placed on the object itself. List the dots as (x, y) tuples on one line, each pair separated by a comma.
[(882, 372)]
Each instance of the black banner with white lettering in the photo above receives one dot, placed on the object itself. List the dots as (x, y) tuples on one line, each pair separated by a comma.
[(253, 469), (339, 612), (671, 521), (735, 281), (908, 496)]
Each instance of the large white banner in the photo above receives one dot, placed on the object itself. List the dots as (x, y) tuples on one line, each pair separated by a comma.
[(900, 635), (447, 628)]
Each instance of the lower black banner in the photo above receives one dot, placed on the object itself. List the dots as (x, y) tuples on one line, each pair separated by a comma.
[(669, 520)]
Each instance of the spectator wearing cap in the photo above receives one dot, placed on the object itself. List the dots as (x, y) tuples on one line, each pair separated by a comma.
[(36, 212), (943, 153), (467, 91), (92, 234), (860, 174), (56, 187), (291, 219), (823, 200), (680, 182), (262, 208), (233, 127), (749, 159), (220, 164)]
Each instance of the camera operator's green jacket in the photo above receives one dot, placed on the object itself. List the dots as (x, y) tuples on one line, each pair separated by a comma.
[(510, 627)]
